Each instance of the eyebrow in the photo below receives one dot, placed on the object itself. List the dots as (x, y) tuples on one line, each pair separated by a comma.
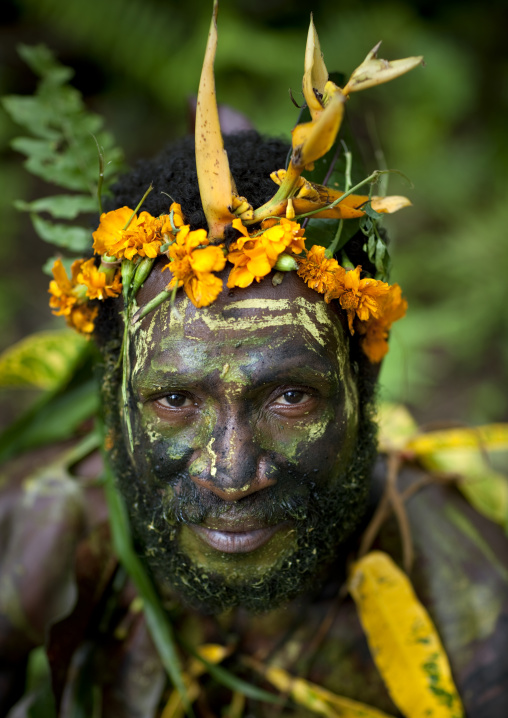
[(305, 367)]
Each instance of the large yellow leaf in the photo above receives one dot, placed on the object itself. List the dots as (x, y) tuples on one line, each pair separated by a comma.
[(484, 488), (313, 697), (396, 427), (403, 640), (43, 360), (490, 436)]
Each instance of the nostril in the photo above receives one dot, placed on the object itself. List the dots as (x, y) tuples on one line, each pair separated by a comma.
[(227, 490)]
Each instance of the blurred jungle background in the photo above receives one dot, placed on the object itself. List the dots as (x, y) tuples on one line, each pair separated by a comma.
[(138, 61)]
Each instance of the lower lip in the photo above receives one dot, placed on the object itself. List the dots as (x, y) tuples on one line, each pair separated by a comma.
[(237, 541)]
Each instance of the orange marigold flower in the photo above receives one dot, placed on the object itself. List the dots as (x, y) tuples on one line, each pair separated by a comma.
[(68, 297), (203, 289), (208, 259), (110, 230), (374, 341), (142, 237), (319, 272), (192, 264), (99, 285), (82, 318), (60, 288), (359, 297), (180, 254), (254, 257)]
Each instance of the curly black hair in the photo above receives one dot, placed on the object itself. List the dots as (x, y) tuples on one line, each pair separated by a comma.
[(173, 175)]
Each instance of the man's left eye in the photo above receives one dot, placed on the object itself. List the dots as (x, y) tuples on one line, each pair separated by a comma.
[(174, 401), (292, 397)]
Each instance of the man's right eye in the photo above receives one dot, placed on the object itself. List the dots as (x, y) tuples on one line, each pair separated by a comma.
[(174, 400)]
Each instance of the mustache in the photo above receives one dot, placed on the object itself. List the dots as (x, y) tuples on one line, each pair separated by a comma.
[(192, 504)]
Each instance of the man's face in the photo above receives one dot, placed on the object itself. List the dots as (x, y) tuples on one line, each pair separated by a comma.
[(246, 473)]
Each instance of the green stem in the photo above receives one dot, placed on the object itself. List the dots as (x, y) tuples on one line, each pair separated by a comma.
[(285, 190), (150, 306), (371, 178), (335, 245), (85, 447), (157, 621), (125, 378), (128, 269), (101, 174), (138, 206)]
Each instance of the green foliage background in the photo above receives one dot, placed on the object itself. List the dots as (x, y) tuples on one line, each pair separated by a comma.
[(137, 62)]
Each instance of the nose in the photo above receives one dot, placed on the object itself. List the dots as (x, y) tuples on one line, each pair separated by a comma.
[(235, 466)]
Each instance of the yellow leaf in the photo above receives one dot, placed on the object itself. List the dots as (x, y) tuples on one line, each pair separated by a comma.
[(490, 436), (44, 360), (396, 427), (484, 488), (214, 176), (374, 71), (316, 74), (213, 653), (313, 697), (389, 205), (403, 640), (312, 140)]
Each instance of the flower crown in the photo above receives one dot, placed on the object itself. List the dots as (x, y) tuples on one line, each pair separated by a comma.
[(129, 241)]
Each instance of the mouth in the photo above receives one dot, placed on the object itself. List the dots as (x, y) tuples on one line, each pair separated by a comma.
[(237, 539)]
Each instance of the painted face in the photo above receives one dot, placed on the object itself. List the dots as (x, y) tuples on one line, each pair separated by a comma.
[(246, 472)]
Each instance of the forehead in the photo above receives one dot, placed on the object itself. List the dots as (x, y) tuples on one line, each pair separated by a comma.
[(285, 323), (288, 326)]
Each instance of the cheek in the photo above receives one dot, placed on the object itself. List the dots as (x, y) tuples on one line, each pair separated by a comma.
[(318, 447), (168, 450)]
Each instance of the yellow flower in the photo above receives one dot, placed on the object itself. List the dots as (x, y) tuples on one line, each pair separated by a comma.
[(68, 297), (320, 273), (209, 259), (110, 230), (203, 290), (180, 254), (96, 281), (82, 318), (61, 288), (254, 257), (192, 265), (359, 297), (143, 237), (374, 341)]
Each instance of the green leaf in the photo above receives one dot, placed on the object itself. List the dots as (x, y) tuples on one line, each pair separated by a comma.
[(61, 149), (60, 206), (75, 239), (51, 419), (30, 113), (322, 231), (38, 683), (45, 360), (41, 60)]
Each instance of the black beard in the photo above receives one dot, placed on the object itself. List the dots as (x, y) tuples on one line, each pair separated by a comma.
[(324, 519)]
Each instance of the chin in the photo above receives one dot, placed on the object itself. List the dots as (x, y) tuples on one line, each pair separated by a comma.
[(323, 534)]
